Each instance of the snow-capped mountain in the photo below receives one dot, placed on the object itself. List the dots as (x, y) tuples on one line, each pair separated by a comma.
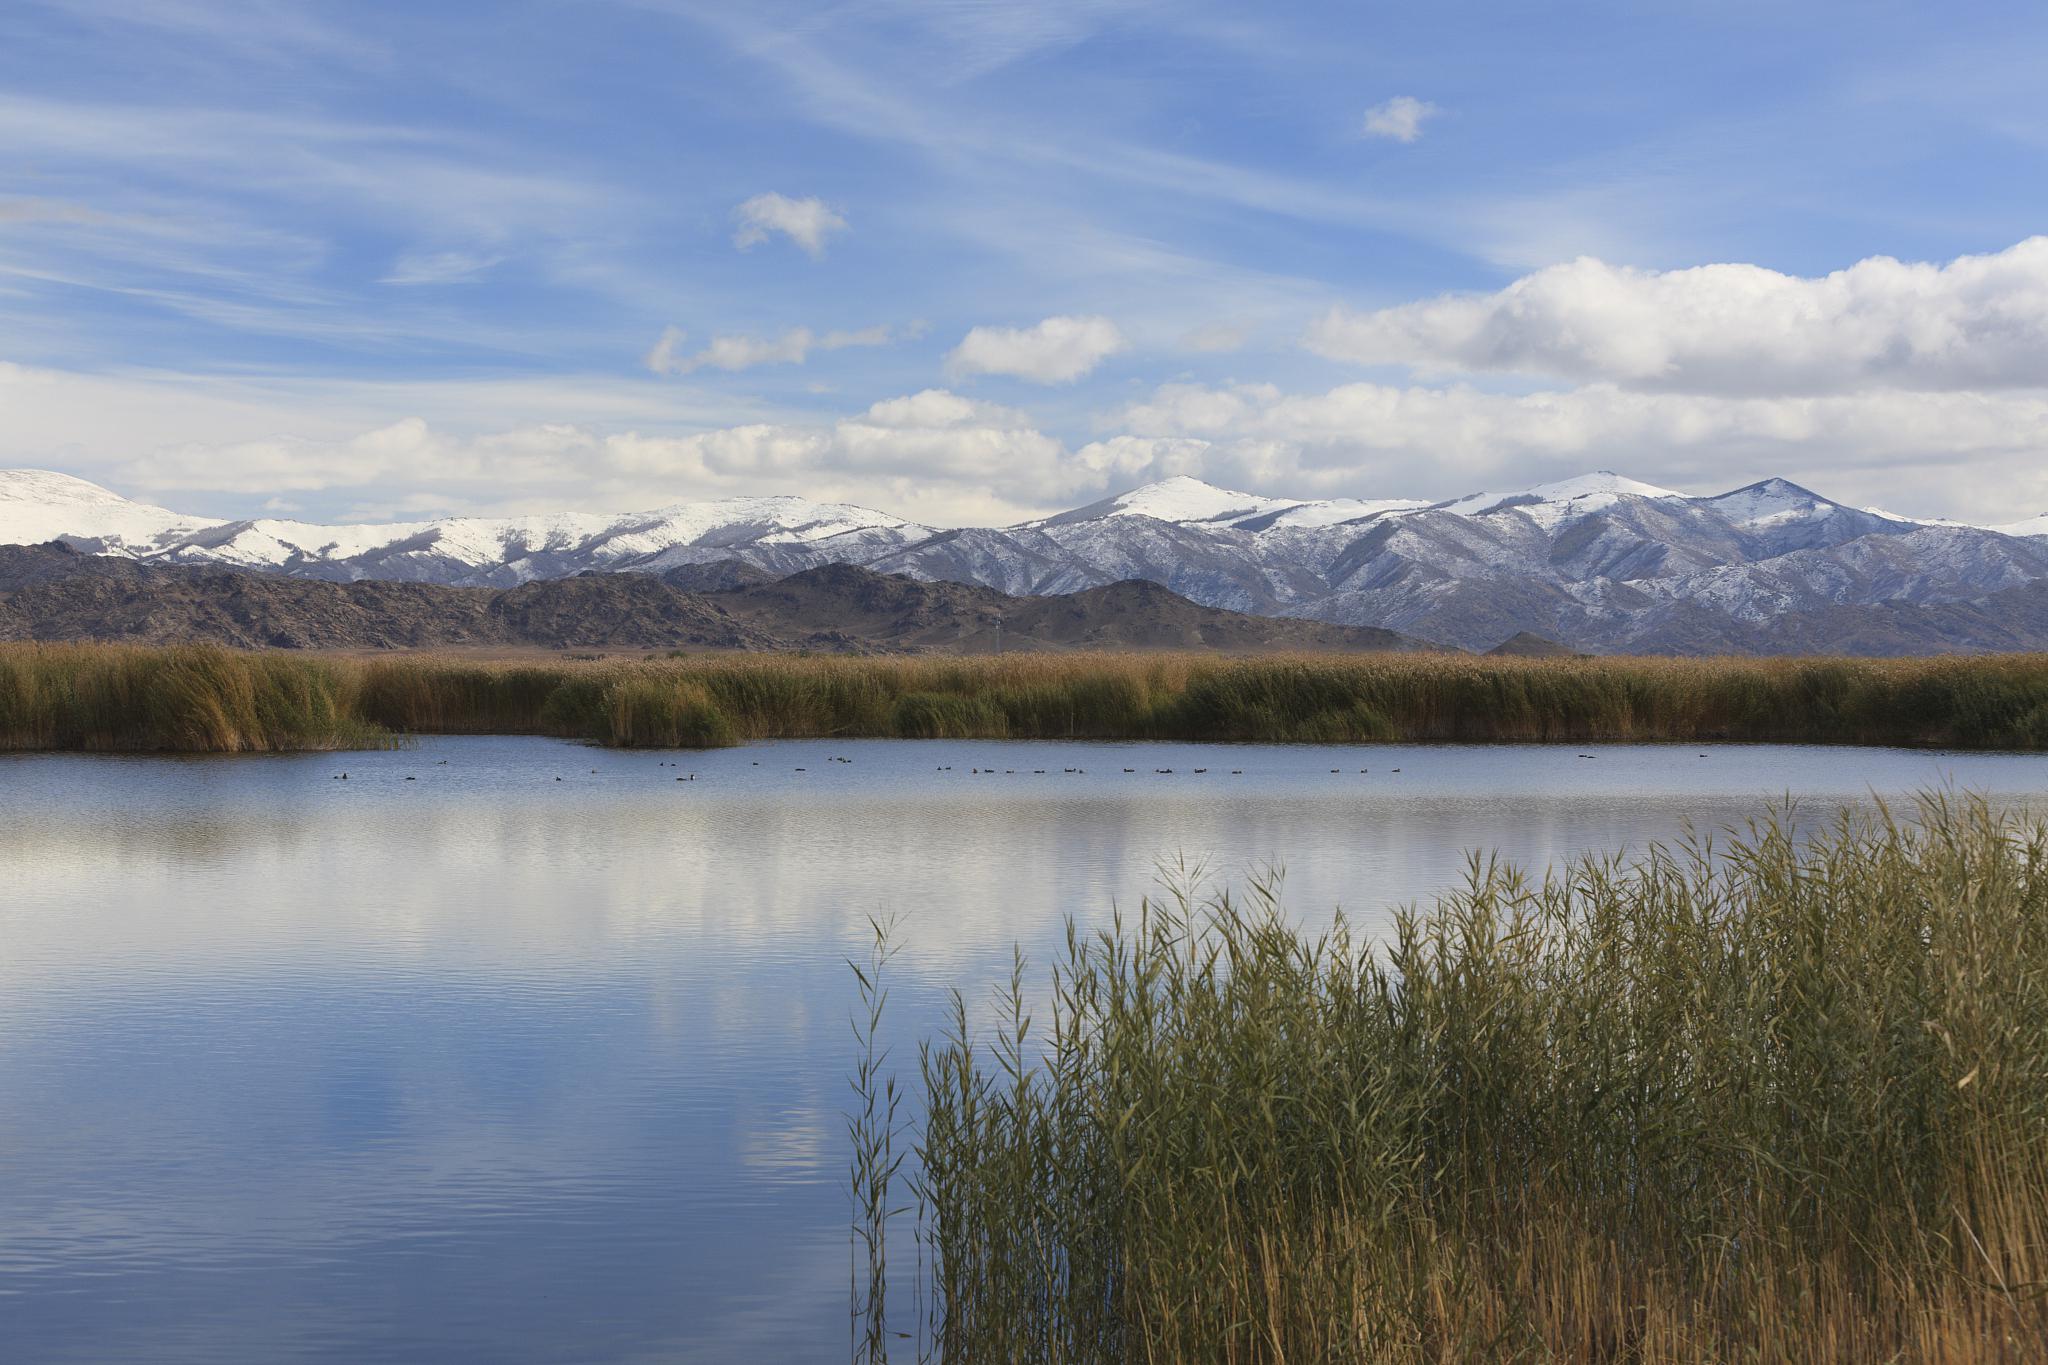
[(776, 533), (1600, 561), (2032, 526), (38, 505)]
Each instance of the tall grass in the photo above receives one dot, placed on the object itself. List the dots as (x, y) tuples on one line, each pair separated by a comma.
[(195, 699), (1787, 1104), (207, 698)]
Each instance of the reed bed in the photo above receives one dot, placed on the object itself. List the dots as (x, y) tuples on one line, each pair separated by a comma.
[(205, 698), (1788, 1102)]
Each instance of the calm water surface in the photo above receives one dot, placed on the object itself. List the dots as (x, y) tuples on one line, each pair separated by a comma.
[(541, 1055)]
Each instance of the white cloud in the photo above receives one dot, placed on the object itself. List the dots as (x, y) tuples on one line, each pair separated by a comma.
[(1400, 118), (793, 347), (1978, 322), (221, 445), (940, 408), (807, 222), (1058, 350)]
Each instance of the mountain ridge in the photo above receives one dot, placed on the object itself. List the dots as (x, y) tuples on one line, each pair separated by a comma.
[(1600, 562), (53, 592)]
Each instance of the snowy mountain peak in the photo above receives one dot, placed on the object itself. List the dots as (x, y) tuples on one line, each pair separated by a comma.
[(37, 505), (1191, 502), (1184, 499), (47, 487), (1775, 502), (2032, 526), (1551, 503), (1598, 483)]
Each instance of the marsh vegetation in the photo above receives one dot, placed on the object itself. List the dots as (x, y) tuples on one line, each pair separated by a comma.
[(207, 699), (1783, 1101)]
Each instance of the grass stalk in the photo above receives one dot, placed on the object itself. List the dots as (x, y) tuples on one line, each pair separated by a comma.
[(1787, 1100)]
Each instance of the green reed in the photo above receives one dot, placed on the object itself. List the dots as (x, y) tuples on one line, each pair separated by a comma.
[(1783, 1101), (207, 698)]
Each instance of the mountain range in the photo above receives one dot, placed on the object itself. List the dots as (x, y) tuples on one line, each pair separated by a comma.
[(54, 592), (1600, 563)]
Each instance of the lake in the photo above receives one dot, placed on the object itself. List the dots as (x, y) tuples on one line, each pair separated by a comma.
[(516, 1050)]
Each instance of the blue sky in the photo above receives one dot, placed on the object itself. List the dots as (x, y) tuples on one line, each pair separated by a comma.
[(374, 259)]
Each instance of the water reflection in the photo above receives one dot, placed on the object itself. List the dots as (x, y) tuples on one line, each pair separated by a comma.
[(488, 1065)]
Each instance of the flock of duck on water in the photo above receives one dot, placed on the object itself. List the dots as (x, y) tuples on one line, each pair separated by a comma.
[(946, 768)]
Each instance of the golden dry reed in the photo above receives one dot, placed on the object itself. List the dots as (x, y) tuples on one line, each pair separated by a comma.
[(204, 698), (1787, 1102)]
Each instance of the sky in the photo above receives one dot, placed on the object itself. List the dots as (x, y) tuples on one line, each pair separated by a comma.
[(970, 261)]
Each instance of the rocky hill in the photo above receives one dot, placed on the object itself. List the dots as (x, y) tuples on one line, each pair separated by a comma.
[(54, 592)]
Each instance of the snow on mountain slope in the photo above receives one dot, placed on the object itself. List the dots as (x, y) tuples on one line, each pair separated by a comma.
[(1774, 502), (1185, 499), (2032, 526), (38, 505), (1552, 503), (1188, 501)]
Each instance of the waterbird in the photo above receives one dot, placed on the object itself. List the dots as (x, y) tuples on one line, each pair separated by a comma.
[(1201, 770), (1237, 772), (1130, 770), (410, 778)]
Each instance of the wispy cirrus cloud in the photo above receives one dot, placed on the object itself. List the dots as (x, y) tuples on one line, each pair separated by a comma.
[(739, 352)]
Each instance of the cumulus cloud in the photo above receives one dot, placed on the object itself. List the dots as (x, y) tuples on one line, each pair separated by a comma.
[(1978, 322), (807, 222), (1058, 350), (793, 347), (937, 408), (942, 456), (221, 445), (1400, 118)]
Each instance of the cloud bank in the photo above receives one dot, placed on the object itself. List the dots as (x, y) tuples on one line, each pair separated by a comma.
[(1978, 322)]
